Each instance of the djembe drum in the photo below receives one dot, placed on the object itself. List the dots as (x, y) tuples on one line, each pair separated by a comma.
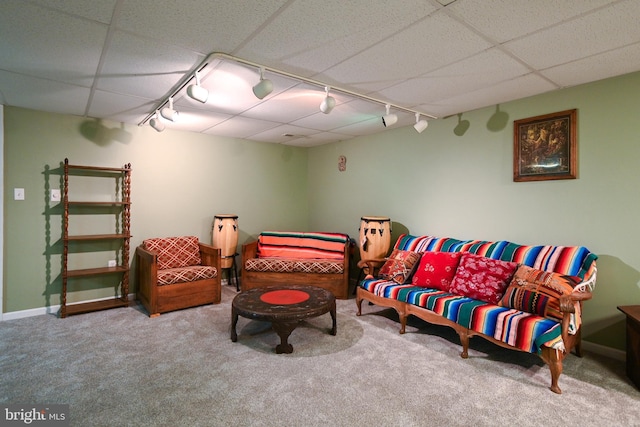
[(224, 235), (375, 237)]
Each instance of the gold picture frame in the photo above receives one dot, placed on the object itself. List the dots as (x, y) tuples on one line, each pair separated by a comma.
[(544, 147)]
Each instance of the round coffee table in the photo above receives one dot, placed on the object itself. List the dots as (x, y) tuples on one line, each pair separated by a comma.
[(284, 307)]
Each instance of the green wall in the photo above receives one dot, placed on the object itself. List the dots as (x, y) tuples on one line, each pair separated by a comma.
[(442, 184), (180, 180), (437, 183)]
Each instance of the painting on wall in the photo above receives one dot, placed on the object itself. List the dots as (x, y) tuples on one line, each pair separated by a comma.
[(544, 147)]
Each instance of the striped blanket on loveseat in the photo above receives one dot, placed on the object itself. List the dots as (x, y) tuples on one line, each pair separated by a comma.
[(533, 303), (303, 258)]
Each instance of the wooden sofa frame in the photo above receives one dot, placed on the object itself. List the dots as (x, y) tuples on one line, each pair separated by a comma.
[(161, 299), (553, 358), (337, 283)]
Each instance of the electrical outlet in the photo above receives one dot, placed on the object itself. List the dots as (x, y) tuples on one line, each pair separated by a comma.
[(55, 195), (18, 194), (111, 263)]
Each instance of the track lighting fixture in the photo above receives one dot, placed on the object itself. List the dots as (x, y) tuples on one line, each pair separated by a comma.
[(264, 86), (420, 124), (328, 102), (389, 119), (169, 113), (197, 92), (156, 123)]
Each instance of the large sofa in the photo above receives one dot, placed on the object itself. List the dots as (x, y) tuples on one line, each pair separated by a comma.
[(527, 298), (296, 258)]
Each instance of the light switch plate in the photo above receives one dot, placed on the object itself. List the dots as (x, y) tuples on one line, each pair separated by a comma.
[(18, 194), (55, 195)]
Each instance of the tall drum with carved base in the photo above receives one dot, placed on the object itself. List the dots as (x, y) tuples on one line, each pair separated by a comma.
[(224, 235), (375, 237)]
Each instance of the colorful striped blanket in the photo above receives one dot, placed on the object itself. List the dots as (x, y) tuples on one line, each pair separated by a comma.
[(525, 331), (298, 245)]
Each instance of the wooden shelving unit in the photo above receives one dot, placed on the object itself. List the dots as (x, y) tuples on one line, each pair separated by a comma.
[(123, 209)]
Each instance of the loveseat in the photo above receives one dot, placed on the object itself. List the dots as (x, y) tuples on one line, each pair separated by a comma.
[(176, 273), (527, 298), (297, 258)]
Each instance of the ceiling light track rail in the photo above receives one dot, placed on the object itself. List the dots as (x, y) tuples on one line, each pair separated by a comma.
[(189, 78)]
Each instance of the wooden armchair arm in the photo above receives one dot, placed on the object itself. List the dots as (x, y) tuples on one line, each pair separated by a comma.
[(249, 250), (147, 270), (371, 263), (567, 302), (210, 256)]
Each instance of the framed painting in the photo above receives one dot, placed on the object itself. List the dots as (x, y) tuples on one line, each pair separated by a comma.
[(544, 147)]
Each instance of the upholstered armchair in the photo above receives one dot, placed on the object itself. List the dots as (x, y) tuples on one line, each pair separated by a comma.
[(176, 273)]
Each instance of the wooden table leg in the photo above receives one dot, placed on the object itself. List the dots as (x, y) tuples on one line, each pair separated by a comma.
[(334, 328), (234, 322), (284, 329)]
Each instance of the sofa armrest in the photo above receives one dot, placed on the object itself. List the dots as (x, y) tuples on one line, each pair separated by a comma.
[(147, 272), (146, 259), (249, 250), (210, 256)]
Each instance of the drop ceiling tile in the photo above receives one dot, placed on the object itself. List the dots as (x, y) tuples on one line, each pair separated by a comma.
[(143, 67), (484, 69), (100, 11), (593, 33), (430, 44), (309, 37), (44, 43), (241, 127), (204, 26), (608, 64), (42, 94), (283, 134), (517, 88), (504, 20), (121, 108)]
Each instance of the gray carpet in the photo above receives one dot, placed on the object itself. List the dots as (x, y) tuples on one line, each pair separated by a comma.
[(121, 368)]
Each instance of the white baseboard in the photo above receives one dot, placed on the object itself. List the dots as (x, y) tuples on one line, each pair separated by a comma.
[(54, 309), (602, 350)]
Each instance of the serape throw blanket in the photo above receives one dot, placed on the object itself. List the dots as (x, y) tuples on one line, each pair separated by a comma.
[(568, 260), (523, 330), (299, 245)]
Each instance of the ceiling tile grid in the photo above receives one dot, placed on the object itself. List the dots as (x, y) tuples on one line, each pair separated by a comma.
[(121, 59)]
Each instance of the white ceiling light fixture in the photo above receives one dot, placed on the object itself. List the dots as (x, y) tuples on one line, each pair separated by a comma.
[(169, 113), (389, 119), (420, 124), (264, 86), (328, 102), (260, 90), (197, 92), (156, 123)]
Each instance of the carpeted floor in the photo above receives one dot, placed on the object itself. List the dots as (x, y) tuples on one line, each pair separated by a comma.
[(121, 368)]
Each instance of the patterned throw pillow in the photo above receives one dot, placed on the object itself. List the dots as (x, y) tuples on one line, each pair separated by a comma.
[(436, 270), (175, 252), (481, 278), (399, 266), (538, 292)]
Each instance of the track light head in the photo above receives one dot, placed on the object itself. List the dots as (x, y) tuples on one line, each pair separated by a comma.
[(389, 119), (197, 92), (264, 86), (156, 123), (420, 124), (328, 102), (169, 113)]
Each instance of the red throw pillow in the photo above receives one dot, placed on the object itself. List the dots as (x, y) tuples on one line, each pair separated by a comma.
[(399, 266), (436, 270), (481, 278)]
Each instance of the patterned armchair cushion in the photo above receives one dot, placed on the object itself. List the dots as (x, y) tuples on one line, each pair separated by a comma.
[(172, 276), (281, 265), (175, 252), (481, 278)]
